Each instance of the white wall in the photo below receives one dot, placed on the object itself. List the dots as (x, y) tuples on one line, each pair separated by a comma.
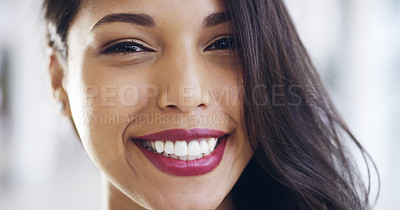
[(356, 43), (42, 163)]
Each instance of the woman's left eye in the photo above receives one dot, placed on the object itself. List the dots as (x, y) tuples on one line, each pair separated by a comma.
[(125, 48), (227, 43)]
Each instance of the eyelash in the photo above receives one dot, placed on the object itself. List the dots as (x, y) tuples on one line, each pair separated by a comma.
[(226, 43), (125, 48)]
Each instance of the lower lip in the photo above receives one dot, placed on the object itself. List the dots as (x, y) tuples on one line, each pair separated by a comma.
[(186, 168)]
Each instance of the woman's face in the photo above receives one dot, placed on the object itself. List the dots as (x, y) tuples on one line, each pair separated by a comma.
[(153, 90)]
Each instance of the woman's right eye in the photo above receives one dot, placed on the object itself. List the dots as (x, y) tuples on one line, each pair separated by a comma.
[(126, 48)]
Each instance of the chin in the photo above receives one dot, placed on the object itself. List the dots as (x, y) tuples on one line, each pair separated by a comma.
[(191, 200)]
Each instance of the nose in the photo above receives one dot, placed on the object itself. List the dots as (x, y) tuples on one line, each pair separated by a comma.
[(182, 77)]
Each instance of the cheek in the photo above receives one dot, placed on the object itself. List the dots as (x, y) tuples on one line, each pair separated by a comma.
[(226, 96), (103, 103)]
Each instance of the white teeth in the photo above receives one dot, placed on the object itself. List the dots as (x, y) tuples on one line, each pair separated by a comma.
[(190, 157), (159, 146), (173, 156), (169, 147), (203, 146), (181, 148), (183, 157), (211, 144), (207, 153), (194, 148)]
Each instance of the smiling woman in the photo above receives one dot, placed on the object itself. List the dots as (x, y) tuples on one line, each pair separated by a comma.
[(203, 105)]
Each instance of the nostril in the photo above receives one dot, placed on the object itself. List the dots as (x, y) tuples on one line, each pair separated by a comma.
[(171, 106), (202, 105)]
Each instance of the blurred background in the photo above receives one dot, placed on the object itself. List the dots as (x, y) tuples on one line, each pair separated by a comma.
[(354, 43)]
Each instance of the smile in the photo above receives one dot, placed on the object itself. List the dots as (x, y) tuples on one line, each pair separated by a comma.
[(195, 149), (182, 152)]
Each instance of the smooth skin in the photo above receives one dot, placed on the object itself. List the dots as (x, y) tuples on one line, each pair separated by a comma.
[(117, 73)]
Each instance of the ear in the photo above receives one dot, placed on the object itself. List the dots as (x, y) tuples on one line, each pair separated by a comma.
[(56, 72)]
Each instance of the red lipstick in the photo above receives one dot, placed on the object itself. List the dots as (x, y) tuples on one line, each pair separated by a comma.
[(178, 167)]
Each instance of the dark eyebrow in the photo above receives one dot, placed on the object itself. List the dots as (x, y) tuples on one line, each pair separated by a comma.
[(148, 21), (137, 19), (215, 19)]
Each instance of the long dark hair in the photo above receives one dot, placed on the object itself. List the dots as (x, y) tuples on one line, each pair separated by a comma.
[(301, 160)]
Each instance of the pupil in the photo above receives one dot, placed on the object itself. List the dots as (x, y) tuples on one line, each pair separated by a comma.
[(225, 44), (128, 48)]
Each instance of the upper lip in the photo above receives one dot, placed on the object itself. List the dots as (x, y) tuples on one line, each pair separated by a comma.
[(182, 134)]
